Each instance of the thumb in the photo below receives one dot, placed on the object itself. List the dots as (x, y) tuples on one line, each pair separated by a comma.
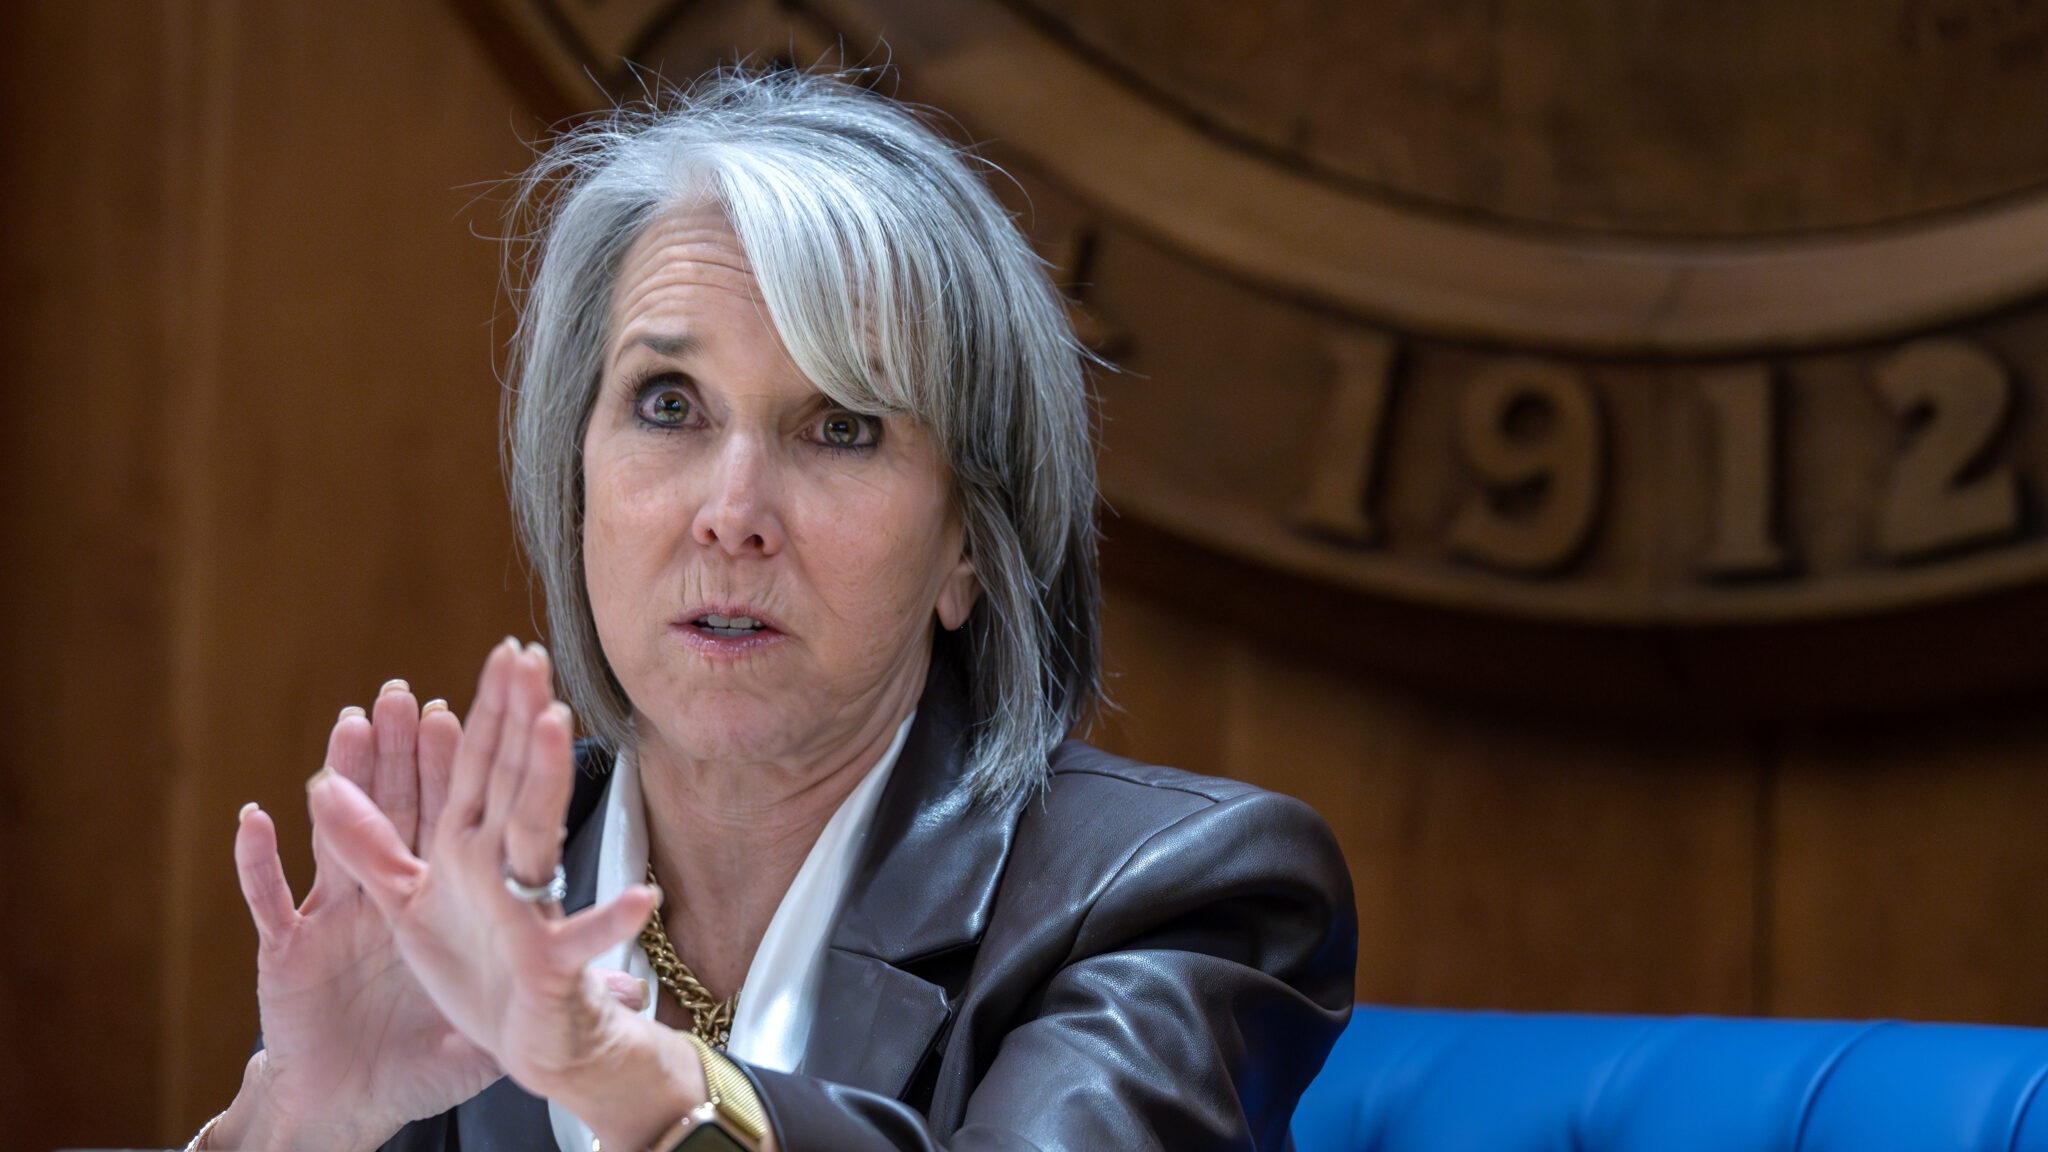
[(262, 876), (360, 838), (589, 932), (624, 987)]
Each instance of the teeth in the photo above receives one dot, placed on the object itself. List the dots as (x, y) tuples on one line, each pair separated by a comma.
[(737, 623)]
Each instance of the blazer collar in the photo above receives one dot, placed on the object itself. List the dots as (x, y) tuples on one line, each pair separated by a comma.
[(922, 887)]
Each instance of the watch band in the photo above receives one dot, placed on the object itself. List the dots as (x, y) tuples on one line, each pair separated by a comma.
[(731, 1106)]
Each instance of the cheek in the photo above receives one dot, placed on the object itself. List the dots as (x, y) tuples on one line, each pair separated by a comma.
[(601, 560), (624, 511), (881, 557)]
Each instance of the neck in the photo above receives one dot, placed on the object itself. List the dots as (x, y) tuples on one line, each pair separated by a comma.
[(727, 839)]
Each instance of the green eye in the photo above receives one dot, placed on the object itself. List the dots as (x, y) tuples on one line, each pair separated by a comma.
[(841, 430), (667, 407)]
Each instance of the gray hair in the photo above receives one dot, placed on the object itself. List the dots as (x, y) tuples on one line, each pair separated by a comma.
[(900, 286)]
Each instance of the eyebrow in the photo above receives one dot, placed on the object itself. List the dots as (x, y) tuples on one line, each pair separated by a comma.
[(668, 347)]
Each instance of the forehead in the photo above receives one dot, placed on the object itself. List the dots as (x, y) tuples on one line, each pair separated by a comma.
[(687, 264)]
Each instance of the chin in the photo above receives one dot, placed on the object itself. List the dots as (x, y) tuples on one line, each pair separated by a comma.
[(731, 727)]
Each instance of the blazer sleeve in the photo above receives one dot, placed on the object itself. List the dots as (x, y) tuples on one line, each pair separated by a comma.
[(1202, 990)]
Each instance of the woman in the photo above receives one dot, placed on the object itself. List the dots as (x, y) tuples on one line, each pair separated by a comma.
[(802, 452)]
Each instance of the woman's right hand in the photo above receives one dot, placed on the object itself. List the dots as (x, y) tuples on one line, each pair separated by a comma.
[(352, 1046)]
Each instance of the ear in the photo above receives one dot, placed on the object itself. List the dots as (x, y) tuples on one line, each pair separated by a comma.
[(958, 594)]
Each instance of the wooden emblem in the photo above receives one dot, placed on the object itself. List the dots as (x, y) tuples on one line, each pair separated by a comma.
[(1737, 370)]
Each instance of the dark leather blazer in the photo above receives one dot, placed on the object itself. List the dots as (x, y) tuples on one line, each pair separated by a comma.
[(1135, 958)]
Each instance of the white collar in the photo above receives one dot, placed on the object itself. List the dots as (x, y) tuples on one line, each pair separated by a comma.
[(773, 1021)]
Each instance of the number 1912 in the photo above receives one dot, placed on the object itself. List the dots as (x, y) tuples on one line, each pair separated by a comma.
[(1531, 438)]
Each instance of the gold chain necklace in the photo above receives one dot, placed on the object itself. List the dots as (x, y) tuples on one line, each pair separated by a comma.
[(710, 1018)]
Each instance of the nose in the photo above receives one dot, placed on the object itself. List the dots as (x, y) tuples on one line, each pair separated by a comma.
[(739, 514)]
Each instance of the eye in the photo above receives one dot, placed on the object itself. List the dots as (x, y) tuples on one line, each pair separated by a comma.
[(665, 404), (843, 429)]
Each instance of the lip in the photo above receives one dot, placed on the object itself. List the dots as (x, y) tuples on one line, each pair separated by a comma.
[(684, 626)]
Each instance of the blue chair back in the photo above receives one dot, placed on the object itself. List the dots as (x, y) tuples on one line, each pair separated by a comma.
[(1405, 1080)]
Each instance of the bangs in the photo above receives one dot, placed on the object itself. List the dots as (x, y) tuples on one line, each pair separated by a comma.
[(854, 281)]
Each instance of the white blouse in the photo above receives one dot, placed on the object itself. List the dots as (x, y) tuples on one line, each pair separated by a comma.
[(773, 1020)]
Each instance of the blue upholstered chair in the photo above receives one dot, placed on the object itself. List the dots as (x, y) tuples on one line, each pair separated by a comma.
[(1405, 1080)]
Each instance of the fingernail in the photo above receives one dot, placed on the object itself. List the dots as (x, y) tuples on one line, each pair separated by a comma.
[(314, 780), (510, 642), (646, 992), (394, 685), (244, 813), (534, 649), (660, 897), (434, 705), (351, 710)]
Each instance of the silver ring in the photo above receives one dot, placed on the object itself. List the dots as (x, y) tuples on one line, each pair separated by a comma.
[(555, 890)]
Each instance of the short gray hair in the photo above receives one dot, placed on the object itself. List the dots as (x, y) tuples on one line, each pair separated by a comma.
[(900, 286)]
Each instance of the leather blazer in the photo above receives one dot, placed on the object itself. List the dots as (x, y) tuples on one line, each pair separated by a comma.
[(1134, 958)]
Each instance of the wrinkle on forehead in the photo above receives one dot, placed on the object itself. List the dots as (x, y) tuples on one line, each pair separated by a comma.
[(694, 245)]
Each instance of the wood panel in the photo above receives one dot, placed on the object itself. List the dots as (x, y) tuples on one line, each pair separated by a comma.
[(1909, 858), (1500, 860), (84, 760), (251, 472), (350, 521), (1873, 866)]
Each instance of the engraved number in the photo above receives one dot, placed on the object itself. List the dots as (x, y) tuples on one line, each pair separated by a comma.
[(1531, 433), (1339, 504), (1741, 406), (1959, 396)]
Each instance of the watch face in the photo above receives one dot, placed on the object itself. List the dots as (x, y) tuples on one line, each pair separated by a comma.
[(709, 1138)]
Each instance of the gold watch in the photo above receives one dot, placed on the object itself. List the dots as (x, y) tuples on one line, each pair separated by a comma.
[(730, 1120)]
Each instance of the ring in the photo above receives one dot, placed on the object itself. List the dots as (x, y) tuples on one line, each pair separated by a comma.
[(556, 889)]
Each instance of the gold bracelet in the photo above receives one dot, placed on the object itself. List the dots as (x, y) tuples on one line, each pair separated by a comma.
[(730, 1091)]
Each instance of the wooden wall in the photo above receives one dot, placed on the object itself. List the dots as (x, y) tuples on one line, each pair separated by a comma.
[(251, 471), (1873, 865)]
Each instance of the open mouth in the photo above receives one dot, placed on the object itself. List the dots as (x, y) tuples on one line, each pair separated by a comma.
[(728, 627)]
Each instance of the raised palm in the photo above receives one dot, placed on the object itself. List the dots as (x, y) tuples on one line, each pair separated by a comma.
[(512, 974), (353, 1046)]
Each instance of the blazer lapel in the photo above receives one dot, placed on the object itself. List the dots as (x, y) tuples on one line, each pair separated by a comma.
[(922, 888)]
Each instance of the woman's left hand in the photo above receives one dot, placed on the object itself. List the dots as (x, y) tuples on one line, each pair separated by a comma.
[(510, 974)]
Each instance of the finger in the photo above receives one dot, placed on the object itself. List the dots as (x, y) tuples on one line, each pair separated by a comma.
[(351, 751), (352, 746), (361, 840), (479, 745), (264, 887), (533, 831), (589, 932), (526, 695), (627, 989), (440, 735), (395, 786)]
